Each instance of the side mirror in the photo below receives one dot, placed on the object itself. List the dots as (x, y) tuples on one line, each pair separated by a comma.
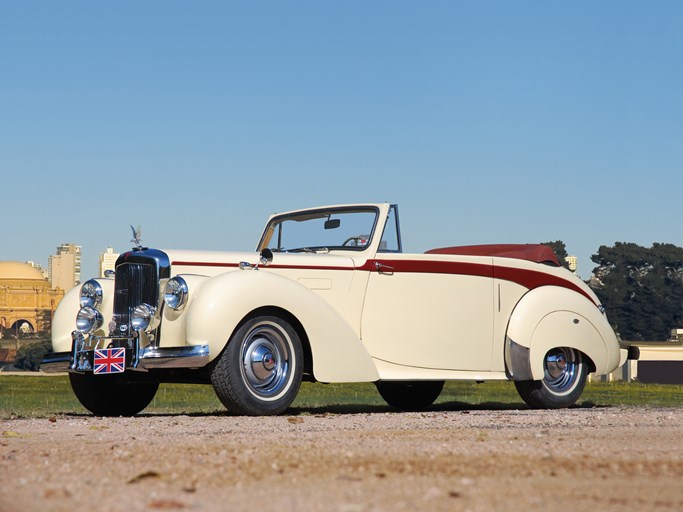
[(266, 257)]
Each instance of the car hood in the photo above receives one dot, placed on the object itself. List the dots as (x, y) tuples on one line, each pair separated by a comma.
[(216, 262)]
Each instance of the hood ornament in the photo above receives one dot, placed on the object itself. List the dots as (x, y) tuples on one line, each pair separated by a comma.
[(137, 237)]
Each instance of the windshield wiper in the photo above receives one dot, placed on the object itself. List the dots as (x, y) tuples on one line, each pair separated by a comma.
[(310, 249)]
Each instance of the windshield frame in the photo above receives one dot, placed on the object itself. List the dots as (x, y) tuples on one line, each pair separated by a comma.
[(316, 213)]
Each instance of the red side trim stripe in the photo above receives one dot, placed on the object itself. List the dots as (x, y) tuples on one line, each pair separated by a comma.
[(529, 279), (432, 267)]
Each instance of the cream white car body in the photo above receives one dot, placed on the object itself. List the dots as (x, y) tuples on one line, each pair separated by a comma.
[(371, 315)]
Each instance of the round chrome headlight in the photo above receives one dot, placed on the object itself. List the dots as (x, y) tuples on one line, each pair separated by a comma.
[(91, 294), (142, 317), (88, 320), (175, 293)]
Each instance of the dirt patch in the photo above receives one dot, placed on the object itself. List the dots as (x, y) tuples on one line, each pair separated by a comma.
[(595, 458)]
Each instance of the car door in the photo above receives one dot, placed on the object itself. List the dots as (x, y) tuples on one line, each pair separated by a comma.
[(430, 312), (329, 276)]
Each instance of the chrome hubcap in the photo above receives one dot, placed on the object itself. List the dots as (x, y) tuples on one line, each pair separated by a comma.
[(561, 369), (265, 357)]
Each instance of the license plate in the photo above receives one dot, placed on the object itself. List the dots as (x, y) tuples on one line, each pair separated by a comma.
[(109, 360)]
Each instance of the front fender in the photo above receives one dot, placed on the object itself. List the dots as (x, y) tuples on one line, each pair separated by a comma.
[(225, 300), (64, 319), (549, 317)]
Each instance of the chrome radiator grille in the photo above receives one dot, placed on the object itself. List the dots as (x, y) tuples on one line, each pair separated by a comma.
[(136, 283)]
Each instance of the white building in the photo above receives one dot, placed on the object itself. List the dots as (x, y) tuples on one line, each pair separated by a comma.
[(107, 260), (64, 268), (573, 262)]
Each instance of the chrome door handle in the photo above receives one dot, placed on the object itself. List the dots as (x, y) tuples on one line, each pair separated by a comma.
[(383, 269)]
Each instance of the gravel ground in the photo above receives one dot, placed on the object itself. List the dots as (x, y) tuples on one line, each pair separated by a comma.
[(591, 458)]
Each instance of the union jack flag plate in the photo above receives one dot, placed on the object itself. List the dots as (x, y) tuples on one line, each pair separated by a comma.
[(109, 360)]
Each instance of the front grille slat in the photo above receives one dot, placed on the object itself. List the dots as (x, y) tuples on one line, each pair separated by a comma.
[(136, 283)]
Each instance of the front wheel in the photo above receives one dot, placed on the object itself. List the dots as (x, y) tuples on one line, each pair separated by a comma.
[(564, 379), (410, 395), (111, 395), (259, 372)]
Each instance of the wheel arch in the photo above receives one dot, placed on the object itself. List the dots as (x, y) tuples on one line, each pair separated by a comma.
[(550, 317), (291, 320), (335, 352)]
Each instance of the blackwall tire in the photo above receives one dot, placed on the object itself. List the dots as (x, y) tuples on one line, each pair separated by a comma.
[(259, 372), (112, 395), (410, 395), (565, 377)]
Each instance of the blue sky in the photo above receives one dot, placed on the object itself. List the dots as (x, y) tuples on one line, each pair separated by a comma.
[(488, 122)]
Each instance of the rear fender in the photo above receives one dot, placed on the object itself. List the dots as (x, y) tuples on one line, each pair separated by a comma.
[(549, 317)]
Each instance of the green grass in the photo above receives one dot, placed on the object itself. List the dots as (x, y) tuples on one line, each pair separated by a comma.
[(42, 396)]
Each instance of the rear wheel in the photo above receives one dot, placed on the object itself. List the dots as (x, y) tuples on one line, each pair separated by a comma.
[(563, 382), (111, 395), (410, 395), (259, 372)]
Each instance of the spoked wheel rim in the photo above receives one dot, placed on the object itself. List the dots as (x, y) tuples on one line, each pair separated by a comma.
[(562, 370), (266, 355)]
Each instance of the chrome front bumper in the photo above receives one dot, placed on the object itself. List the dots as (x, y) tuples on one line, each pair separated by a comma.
[(80, 358)]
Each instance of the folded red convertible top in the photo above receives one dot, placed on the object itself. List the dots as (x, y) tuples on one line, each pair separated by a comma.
[(531, 252)]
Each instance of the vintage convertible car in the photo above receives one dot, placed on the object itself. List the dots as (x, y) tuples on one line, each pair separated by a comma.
[(329, 296)]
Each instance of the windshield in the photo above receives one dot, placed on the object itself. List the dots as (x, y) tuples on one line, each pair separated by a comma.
[(321, 230)]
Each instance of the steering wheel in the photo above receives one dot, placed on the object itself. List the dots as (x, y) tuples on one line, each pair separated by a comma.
[(356, 239)]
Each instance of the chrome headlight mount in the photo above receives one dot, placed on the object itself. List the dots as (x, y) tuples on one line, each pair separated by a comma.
[(175, 293), (88, 320), (91, 294), (143, 317)]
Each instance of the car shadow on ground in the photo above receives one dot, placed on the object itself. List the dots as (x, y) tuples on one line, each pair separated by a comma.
[(351, 409), (440, 407)]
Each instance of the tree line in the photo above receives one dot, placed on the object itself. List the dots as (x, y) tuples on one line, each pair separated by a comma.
[(640, 287)]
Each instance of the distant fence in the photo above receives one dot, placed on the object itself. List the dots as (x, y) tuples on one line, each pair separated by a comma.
[(658, 363)]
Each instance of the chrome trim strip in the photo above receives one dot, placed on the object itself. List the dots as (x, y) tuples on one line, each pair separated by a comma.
[(193, 356), (398, 227)]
